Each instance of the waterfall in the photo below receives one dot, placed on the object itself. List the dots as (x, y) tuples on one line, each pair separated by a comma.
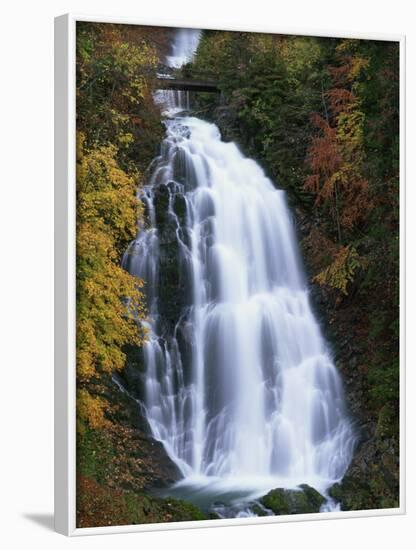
[(183, 47), (241, 390)]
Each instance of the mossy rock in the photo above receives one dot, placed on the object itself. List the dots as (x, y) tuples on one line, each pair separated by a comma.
[(182, 510), (314, 498), (304, 500)]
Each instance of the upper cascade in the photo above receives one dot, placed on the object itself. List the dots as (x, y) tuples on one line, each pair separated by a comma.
[(183, 47)]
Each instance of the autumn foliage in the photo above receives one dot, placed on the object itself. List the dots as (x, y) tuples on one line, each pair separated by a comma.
[(109, 300), (341, 271), (117, 126), (336, 155)]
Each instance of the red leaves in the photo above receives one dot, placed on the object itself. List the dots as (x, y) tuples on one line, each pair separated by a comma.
[(340, 100), (336, 152), (323, 155), (324, 159)]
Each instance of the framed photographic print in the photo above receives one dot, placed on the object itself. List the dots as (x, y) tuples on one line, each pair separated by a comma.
[(229, 308)]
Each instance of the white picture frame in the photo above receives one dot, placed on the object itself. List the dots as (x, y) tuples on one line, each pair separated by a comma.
[(65, 382)]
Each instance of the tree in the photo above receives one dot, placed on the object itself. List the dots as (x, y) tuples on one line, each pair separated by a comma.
[(336, 155)]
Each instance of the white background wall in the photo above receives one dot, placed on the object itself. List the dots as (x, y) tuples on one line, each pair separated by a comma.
[(26, 299)]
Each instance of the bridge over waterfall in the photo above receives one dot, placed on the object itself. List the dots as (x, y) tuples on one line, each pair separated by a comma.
[(189, 85)]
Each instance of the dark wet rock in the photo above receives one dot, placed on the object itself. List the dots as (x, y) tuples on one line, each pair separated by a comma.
[(133, 374), (173, 295), (165, 222), (179, 206), (173, 286), (184, 340)]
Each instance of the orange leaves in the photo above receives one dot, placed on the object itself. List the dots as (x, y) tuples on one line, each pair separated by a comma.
[(336, 161), (340, 100), (351, 65), (323, 154), (324, 158), (312, 184), (356, 200)]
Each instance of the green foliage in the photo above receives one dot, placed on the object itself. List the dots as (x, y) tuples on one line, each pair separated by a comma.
[(269, 84), (116, 70), (95, 454), (384, 383), (383, 371)]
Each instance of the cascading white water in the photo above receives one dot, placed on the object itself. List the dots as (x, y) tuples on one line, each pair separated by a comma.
[(257, 402), (183, 47)]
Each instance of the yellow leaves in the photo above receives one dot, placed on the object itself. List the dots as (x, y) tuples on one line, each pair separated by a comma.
[(87, 349), (80, 141), (109, 300), (105, 322), (350, 124), (125, 138), (354, 63), (91, 410), (341, 271), (358, 64), (106, 193)]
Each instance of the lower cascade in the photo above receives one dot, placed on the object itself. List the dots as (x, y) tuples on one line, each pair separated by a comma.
[(241, 388)]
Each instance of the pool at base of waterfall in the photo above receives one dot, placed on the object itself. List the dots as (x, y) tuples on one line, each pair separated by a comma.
[(236, 497)]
